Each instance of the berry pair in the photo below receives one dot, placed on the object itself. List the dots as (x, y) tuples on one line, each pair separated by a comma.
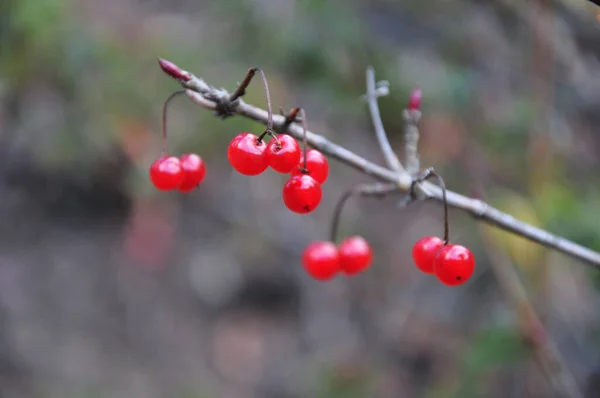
[(452, 264), (184, 173), (323, 260), (250, 155), (170, 172)]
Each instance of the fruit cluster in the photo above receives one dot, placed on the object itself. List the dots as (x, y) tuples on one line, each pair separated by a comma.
[(250, 155)]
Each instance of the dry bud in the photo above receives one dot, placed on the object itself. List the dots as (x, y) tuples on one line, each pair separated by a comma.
[(173, 70)]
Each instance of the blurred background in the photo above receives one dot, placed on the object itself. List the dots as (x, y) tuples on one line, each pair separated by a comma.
[(111, 289)]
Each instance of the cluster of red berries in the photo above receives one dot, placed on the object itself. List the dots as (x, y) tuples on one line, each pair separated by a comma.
[(251, 156), (184, 173), (452, 264), (323, 260)]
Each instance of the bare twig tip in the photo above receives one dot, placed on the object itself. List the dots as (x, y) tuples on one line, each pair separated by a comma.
[(173, 70)]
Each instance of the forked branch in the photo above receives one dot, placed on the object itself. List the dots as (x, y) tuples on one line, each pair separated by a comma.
[(215, 99)]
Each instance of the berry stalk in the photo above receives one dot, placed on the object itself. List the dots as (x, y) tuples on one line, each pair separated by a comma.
[(164, 120), (269, 129), (304, 140), (429, 173)]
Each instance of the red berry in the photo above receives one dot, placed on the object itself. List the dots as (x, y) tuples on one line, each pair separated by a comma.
[(194, 171), (247, 155), (302, 194), (355, 255), (321, 260), (285, 156), (166, 173), (414, 101), (454, 264), (317, 165), (424, 252)]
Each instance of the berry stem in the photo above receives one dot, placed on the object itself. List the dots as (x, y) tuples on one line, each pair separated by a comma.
[(164, 120), (428, 173), (269, 129), (337, 213), (375, 189), (304, 140)]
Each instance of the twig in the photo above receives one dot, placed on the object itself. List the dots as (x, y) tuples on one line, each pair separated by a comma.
[(388, 153), (544, 349), (210, 97), (241, 89), (412, 115), (290, 117)]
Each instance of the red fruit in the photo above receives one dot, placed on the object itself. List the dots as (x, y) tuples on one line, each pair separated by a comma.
[(321, 260), (454, 264), (355, 255), (247, 155), (302, 194), (285, 156), (424, 252), (166, 173), (317, 165), (194, 171)]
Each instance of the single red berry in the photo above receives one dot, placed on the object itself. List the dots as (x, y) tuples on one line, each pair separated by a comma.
[(424, 252), (166, 173), (321, 260), (194, 171), (317, 165), (355, 255), (414, 101), (247, 154), (302, 194), (454, 264), (283, 153)]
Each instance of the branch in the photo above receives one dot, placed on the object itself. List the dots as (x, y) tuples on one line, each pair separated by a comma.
[(532, 330), (218, 99), (372, 93)]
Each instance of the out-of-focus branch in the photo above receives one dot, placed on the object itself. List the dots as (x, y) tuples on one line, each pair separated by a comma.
[(532, 330), (412, 115), (217, 100), (373, 92)]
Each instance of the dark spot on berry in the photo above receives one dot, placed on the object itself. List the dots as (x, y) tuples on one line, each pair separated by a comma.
[(306, 208), (459, 278)]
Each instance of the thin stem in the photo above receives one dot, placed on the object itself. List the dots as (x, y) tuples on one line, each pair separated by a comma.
[(165, 152), (430, 172), (269, 129), (372, 189), (241, 89), (335, 222), (304, 140)]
